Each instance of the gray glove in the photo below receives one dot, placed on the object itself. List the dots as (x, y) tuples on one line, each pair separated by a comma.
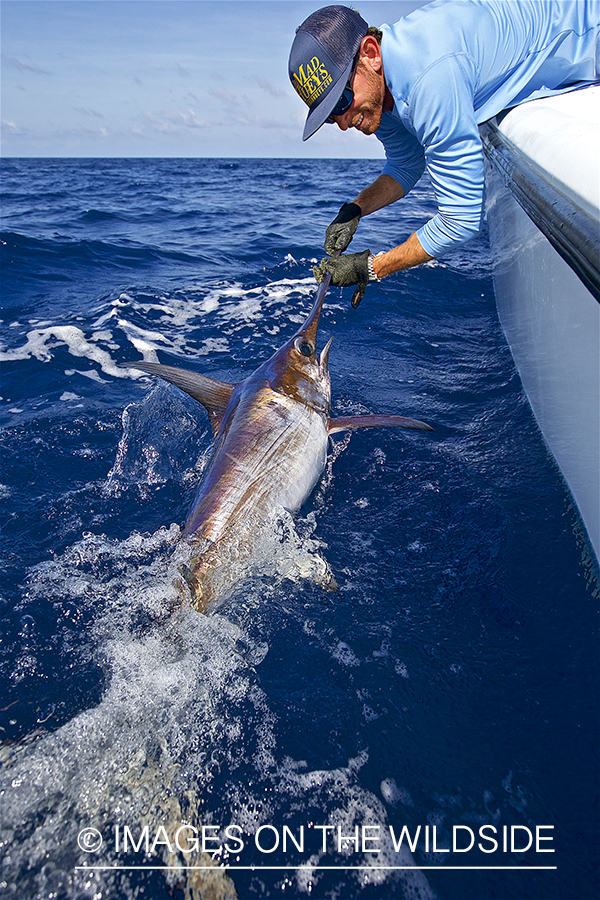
[(339, 234), (352, 268)]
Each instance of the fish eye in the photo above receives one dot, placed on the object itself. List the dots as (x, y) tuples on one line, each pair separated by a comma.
[(304, 347)]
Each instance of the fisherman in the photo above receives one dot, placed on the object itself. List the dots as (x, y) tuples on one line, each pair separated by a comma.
[(423, 86)]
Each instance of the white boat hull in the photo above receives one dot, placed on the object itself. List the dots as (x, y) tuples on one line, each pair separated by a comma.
[(551, 318)]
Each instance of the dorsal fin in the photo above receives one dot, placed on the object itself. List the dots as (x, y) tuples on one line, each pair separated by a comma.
[(212, 394), (350, 423)]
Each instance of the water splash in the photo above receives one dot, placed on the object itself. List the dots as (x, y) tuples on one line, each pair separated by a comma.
[(182, 709)]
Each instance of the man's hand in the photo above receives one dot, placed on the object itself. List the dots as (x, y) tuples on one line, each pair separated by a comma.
[(352, 268), (339, 234)]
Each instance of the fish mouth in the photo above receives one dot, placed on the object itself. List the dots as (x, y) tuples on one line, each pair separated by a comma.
[(324, 357)]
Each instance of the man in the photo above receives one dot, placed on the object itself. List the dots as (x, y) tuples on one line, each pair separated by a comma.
[(423, 86)]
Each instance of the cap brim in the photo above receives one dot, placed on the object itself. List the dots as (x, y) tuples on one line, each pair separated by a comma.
[(319, 115)]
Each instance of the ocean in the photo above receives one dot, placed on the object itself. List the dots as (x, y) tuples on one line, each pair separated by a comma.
[(430, 728)]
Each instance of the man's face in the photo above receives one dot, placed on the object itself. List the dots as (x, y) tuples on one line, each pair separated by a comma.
[(366, 109)]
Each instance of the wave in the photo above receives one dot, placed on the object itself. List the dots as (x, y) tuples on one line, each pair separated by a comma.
[(19, 252), (196, 321)]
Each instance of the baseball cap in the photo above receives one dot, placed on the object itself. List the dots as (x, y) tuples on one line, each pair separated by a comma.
[(321, 60)]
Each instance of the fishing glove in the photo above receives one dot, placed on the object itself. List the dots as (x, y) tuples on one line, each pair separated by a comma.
[(339, 234), (351, 268)]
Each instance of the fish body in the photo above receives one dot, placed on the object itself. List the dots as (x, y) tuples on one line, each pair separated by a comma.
[(271, 434), (272, 454)]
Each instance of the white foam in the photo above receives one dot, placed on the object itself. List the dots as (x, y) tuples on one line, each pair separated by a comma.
[(231, 308), (40, 344), (345, 655), (401, 669), (111, 314), (89, 373), (394, 794)]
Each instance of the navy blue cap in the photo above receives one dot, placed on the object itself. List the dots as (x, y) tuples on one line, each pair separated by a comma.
[(321, 60)]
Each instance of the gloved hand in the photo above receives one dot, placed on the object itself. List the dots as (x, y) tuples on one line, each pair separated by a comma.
[(351, 268), (339, 234)]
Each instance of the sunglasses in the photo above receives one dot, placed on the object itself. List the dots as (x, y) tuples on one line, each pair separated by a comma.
[(345, 101)]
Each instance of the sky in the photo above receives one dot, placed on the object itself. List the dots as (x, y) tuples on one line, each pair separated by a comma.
[(163, 78)]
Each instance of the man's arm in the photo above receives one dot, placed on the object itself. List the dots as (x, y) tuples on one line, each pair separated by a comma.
[(445, 124), (382, 192), (404, 256), (359, 268)]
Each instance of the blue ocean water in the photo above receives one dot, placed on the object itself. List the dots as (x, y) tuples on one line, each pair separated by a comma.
[(452, 678)]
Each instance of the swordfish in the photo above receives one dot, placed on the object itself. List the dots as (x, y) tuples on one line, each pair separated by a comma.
[(271, 433)]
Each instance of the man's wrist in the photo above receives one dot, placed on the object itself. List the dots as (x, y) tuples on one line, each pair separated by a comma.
[(373, 276)]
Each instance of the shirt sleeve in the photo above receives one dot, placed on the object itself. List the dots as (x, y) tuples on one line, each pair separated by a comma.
[(405, 159), (442, 116)]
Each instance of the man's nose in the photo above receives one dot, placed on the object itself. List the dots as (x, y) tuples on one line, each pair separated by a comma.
[(344, 121)]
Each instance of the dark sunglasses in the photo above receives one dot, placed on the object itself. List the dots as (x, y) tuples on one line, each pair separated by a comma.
[(345, 101)]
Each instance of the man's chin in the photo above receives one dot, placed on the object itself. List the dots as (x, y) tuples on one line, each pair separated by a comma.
[(369, 126), (374, 120), (372, 126), (369, 120)]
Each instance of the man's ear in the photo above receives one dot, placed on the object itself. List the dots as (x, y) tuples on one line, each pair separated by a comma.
[(370, 53)]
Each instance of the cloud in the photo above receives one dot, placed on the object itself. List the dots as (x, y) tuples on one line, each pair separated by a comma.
[(11, 127), (79, 131), (183, 72), (268, 86), (171, 120), (187, 117), (252, 120), (23, 67), (227, 98), (88, 112)]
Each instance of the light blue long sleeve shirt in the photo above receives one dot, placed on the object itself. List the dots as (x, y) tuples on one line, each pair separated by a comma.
[(455, 63)]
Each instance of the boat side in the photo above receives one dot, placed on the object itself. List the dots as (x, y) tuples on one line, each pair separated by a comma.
[(542, 208)]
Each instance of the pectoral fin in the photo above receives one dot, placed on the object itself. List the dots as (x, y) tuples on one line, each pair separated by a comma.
[(213, 395), (349, 423)]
